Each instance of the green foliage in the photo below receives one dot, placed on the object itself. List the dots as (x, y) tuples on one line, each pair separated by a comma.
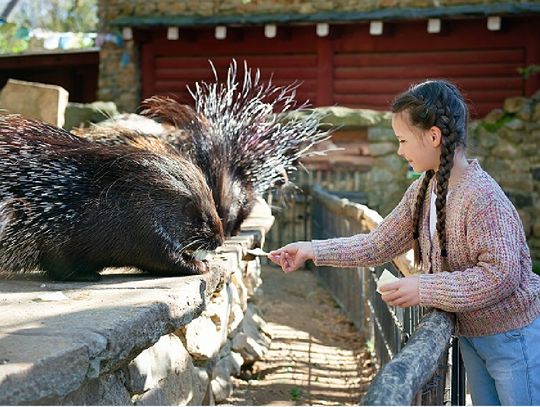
[(501, 121), (536, 266), (57, 15), (296, 394), (12, 39), (529, 70)]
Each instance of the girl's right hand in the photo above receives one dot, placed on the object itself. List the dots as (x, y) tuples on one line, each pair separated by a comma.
[(293, 256)]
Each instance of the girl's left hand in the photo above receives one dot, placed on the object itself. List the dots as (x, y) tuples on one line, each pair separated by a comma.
[(403, 293)]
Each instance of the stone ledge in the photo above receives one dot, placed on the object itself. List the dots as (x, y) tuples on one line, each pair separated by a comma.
[(49, 348), (71, 343)]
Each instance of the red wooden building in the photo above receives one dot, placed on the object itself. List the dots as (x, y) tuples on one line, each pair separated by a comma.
[(363, 61)]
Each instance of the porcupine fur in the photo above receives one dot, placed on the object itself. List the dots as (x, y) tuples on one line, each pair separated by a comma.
[(71, 207), (236, 135)]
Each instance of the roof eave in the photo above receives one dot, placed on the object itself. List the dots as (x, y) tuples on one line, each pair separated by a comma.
[(409, 13)]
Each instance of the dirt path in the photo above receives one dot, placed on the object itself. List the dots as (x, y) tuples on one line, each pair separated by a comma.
[(316, 356)]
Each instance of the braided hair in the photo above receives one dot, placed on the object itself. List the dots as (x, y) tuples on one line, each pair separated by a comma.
[(435, 103)]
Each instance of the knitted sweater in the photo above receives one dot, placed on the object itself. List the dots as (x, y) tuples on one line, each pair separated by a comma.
[(491, 287)]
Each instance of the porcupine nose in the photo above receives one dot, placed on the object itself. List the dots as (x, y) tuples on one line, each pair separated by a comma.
[(219, 236)]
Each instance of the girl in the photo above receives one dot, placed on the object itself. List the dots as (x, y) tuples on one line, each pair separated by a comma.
[(468, 241)]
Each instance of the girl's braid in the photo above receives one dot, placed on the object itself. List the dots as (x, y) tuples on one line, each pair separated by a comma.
[(445, 122), (417, 216)]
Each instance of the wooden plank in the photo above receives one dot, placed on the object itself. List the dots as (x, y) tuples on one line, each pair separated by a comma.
[(290, 74), (430, 58), (325, 72), (415, 71), (260, 61), (395, 85), (371, 86)]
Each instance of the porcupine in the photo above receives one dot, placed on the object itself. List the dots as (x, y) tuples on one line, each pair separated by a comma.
[(71, 207), (237, 136)]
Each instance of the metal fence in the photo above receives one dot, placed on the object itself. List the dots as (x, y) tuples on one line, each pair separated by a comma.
[(387, 329), (292, 209)]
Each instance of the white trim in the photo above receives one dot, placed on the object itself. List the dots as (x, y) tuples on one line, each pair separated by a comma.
[(220, 32), (127, 33), (322, 29), (376, 27), (434, 25), (494, 23), (270, 30), (172, 33)]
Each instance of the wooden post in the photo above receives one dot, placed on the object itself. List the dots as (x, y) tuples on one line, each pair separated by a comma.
[(325, 71)]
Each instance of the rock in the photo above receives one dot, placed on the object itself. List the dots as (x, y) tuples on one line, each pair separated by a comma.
[(202, 338), (222, 389), (35, 100), (515, 104), (494, 116), (164, 373), (83, 114)]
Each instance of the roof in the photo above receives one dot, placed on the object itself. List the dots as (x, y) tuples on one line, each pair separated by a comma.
[(332, 16)]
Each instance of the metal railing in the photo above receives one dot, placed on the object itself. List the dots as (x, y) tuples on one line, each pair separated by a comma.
[(414, 368)]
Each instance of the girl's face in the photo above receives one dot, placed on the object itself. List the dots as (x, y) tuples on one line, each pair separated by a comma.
[(421, 148)]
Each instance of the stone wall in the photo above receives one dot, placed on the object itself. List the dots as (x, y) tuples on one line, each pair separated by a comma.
[(119, 73), (506, 142), (387, 179), (133, 339)]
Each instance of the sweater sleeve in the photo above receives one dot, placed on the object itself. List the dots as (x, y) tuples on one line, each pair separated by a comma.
[(493, 238), (392, 237)]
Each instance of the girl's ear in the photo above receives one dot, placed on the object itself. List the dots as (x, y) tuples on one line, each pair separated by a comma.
[(435, 136)]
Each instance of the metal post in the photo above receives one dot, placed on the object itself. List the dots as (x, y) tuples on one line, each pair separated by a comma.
[(458, 375)]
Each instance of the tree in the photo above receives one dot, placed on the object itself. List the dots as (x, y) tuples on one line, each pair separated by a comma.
[(11, 40), (79, 16), (57, 15)]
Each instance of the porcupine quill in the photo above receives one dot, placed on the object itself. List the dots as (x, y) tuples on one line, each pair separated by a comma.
[(72, 207), (240, 136)]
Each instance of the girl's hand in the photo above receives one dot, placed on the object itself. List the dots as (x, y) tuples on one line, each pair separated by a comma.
[(293, 256), (403, 293)]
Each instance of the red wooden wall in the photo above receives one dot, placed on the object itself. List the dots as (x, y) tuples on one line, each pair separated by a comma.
[(75, 71), (350, 67)]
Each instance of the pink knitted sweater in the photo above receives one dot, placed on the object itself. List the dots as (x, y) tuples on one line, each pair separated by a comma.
[(492, 288)]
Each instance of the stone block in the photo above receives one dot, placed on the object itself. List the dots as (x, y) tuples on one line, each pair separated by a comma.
[(83, 114), (384, 148), (222, 388), (166, 365), (379, 134), (202, 338), (252, 277), (35, 100), (163, 372), (200, 386), (515, 104), (108, 389)]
